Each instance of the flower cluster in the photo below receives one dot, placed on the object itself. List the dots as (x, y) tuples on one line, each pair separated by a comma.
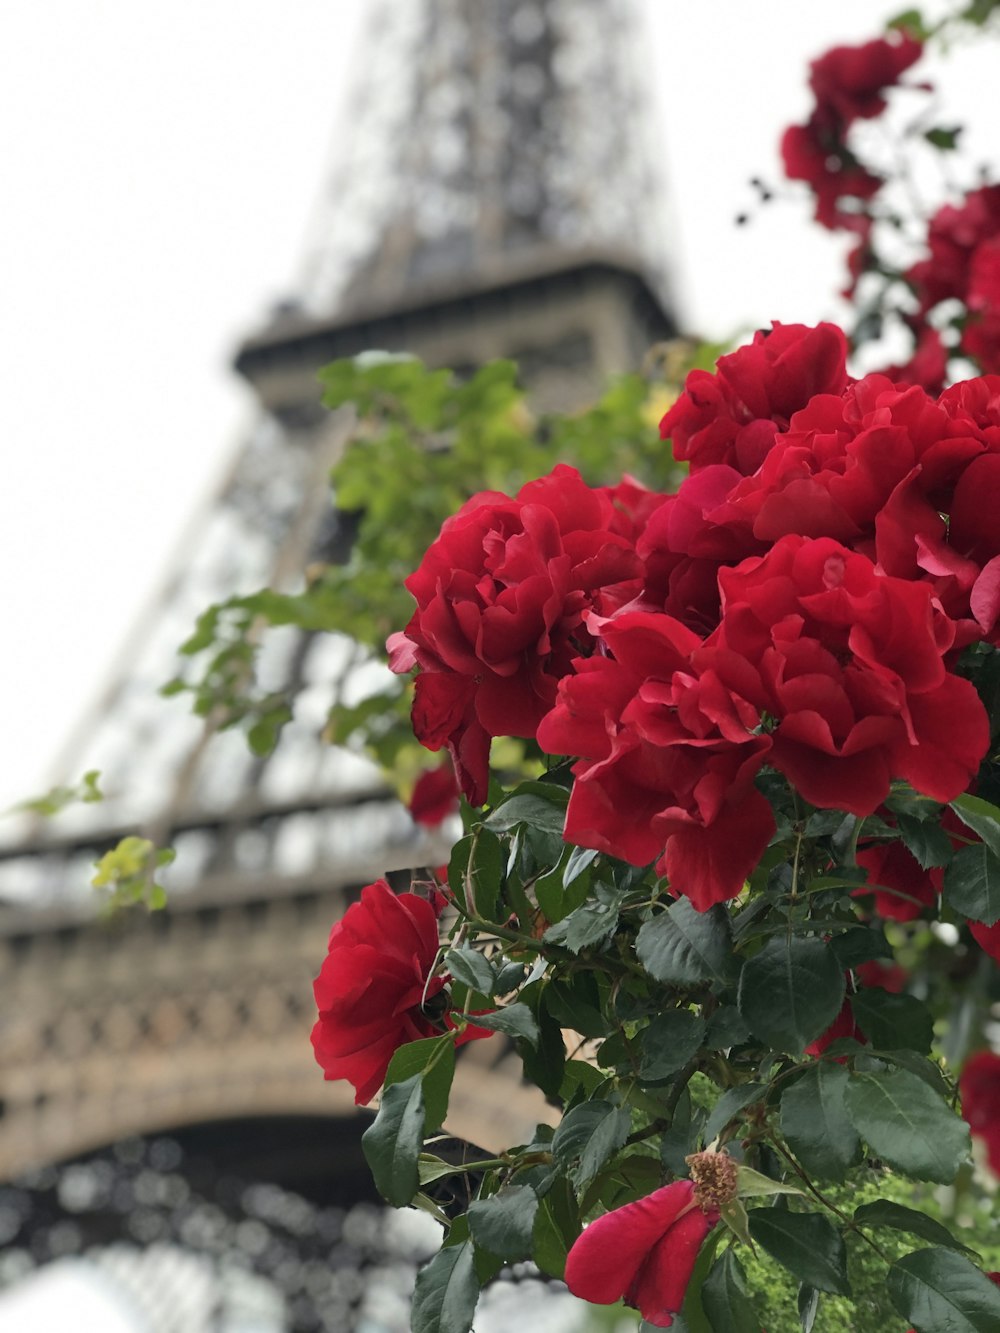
[(848, 84), (799, 604)]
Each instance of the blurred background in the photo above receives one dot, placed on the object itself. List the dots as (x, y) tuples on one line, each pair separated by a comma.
[(181, 183)]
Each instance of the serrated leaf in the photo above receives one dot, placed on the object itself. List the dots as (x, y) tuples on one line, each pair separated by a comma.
[(433, 1058), (472, 969), (589, 924), (791, 992), (885, 1213), (670, 1041), (588, 1134), (814, 1120), (726, 1028), (736, 1218), (476, 873), (981, 816), (940, 1291), (683, 946), (926, 841), (444, 1299), (545, 813), (972, 884), (892, 1022), (504, 1223), (557, 1225), (728, 1106), (860, 944), (751, 1184), (579, 859), (431, 1168), (806, 1244), (725, 1297), (515, 1020), (392, 1143), (907, 1125)]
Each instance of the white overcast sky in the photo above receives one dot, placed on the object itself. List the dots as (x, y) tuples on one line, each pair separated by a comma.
[(159, 164)]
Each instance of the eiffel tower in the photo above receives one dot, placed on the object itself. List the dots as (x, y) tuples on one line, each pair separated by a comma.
[(486, 205)]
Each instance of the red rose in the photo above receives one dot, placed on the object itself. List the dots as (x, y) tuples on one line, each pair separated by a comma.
[(849, 664), (435, 796), (643, 1253), (668, 758), (842, 1026), (734, 415), (979, 1086), (817, 154), (850, 80), (891, 977), (501, 599), (375, 985), (927, 367)]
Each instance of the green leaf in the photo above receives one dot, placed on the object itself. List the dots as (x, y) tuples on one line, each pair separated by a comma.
[(504, 1223), (392, 1143), (885, 1213), (557, 1225), (433, 1058), (946, 140), (940, 1291), (807, 1302), (891, 1022), (546, 813), (444, 1300), (907, 1125), (472, 969), (751, 1184), (669, 1042), (579, 859), (980, 816), (972, 884), (926, 840), (725, 1297), (589, 924), (860, 944), (588, 1134), (806, 1244), (476, 873), (814, 1120), (684, 947), (728, 1106), (791, 992), (516, 1020), (726, 1028)]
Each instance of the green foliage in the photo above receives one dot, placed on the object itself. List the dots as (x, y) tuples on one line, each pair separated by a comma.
[(127, 873), (86, 791)]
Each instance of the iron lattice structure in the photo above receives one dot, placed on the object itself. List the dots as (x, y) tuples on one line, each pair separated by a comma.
[(490, 203)]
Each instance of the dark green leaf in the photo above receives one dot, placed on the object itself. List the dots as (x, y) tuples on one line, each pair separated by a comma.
[(726, 1028), (807, 1302), (433, 1058), (504, 1223), (891, 1022), (576, 1003), (472, 969), (546, 813), (860, 944), (444, 1300), (726, 1297), (392, 1143), (926, 840), (557, 1225), (476, 873), (972, 884), (885, 1213), (544, 1064), (589, 924), (791, 992), (683, 946), (728, 1106), (907, 1125), (806, 1244), (669, 1043), (940, 1291), (946, 140), (589, 1134), (980, 816), (516, 1020), (579, 859), (814, 1121)]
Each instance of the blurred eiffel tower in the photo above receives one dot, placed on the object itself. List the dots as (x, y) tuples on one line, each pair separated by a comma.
[(492, 199)]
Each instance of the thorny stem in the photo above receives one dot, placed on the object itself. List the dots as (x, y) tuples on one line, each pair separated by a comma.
[(848, 1222)]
